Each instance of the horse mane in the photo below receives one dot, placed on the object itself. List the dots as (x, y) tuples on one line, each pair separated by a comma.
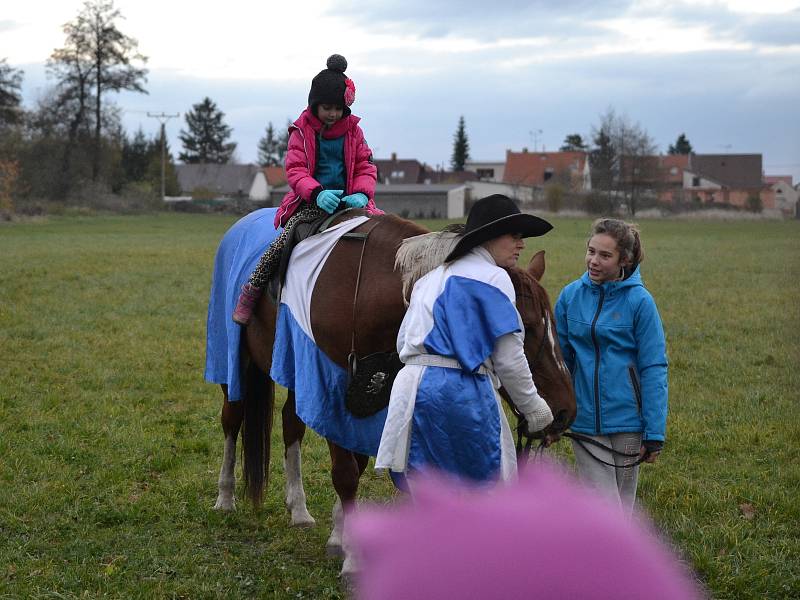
[(421, 254)]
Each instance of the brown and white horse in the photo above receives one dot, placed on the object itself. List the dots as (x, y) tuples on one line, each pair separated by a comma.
[(381, 289)]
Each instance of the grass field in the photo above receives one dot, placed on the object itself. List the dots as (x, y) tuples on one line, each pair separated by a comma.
[(110, 444)]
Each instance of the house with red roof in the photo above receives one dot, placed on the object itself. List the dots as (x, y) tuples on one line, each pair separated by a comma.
[(732, 179), (537, 169)]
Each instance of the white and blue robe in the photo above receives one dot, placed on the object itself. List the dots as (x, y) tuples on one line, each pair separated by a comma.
[(461, 315)]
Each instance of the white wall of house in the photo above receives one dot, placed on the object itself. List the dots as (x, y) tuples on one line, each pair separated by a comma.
[(786, 196), (689, 182), (456, 202), (496, 168), (259, 189), (586, 176), (481, 189)]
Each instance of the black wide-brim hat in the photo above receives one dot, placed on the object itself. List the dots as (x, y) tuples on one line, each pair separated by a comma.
[(492, 217)]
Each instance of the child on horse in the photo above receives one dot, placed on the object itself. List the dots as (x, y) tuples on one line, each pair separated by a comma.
[(613, 343), (329, 167)]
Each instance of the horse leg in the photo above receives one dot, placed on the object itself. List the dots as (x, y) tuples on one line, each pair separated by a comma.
[(293, 431), (346, 470), (232, 415)]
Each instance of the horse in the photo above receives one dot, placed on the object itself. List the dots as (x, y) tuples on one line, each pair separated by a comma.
[(367, 316)]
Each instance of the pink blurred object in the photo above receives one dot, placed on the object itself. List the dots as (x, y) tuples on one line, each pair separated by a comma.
[(543, 537)]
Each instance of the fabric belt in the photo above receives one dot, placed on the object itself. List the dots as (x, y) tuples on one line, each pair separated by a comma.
[(436, 360)]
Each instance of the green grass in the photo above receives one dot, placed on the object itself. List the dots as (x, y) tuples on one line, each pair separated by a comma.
[(110, 444)]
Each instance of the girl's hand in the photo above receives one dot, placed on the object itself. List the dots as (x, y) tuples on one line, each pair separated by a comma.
[(357, 200), (328, 200), (650, 450)]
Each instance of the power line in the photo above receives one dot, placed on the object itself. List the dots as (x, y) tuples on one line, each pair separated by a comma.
[(163, 118)]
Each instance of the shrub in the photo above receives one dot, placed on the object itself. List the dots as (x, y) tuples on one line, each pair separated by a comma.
[(555, 197), (754, 203)]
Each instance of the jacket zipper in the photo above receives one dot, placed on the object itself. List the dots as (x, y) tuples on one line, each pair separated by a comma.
[(597, 364), (637, 389)]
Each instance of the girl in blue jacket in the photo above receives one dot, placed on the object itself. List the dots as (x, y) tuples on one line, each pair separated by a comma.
[(613, 342)]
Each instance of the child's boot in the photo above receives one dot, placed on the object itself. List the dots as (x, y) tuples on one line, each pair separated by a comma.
[(247, 302)]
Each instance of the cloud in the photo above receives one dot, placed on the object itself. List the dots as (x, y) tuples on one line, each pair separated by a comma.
[(8, 25), (476, 18), (771, 30)]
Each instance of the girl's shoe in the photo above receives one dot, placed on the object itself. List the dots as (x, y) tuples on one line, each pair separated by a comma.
[(247, 302)]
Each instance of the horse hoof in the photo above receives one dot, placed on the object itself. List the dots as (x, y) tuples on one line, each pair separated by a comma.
[(349, 569), (226, 505), (303, 521), (333, 550)]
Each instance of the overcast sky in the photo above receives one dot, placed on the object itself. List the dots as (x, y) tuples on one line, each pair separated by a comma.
[(523, 73)]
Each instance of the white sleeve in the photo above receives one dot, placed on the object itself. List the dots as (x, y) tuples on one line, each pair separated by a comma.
[(512, 369)]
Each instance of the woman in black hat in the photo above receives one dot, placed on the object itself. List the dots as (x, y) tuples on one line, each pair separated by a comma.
[(461, 339)]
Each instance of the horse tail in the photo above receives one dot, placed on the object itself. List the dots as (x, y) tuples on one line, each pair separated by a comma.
[(259, 399)]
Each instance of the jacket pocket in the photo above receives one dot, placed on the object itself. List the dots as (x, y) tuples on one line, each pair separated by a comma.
[(637, 389)]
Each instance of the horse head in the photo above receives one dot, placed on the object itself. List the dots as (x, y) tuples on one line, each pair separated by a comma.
[(550, 373)]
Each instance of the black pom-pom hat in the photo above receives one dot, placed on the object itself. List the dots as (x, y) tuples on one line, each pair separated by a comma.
[(330, 86)]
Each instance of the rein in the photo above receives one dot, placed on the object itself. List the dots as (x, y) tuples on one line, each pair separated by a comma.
[(581, 440), (524, 448), (352, 359)]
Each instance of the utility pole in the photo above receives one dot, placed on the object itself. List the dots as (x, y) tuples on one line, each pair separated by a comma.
[(535, 137), (163, 118)]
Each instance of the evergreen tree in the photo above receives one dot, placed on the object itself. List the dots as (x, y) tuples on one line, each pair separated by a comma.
[(682, 146), (153, 174), (10, 93), (573, 143), (207, 135), (460, 147), (283, 142), (269, 148), (602, 160), (136, 156)]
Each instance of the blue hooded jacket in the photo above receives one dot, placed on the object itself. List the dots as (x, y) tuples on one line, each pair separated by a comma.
[(613, 343)]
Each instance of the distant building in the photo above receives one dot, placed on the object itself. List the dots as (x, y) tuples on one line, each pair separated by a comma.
[(487, 170), (222, 181), (732, 179), (413, 200), (403, 170), (571, 169), (786, 196)]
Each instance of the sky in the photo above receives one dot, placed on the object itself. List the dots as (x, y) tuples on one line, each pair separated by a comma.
[(524, 74)]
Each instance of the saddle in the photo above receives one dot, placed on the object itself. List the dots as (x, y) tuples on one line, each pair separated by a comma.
[(370, 377), (300, 232)]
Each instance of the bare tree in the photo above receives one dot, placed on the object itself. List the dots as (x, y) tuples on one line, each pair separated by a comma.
[(71, 97), (10, 93), (624, 160), (97, 57)]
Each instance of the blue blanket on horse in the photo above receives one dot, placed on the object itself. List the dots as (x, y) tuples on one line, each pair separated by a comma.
[(297, 362), (237, 256)]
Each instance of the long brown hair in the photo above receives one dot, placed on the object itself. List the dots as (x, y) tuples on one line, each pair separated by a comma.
[(625, 234)]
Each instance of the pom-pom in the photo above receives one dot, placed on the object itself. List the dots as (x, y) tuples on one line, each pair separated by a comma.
[(337, 62), (349, 92)]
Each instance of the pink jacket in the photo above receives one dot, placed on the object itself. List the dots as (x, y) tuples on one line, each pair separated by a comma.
[(301, 161)]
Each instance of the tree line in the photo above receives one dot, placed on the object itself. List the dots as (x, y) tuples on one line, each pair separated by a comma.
[(72, 144), (622, 159)]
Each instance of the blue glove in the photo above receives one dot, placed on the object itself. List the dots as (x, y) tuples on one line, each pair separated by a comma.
[(328, 200), (357, 200)]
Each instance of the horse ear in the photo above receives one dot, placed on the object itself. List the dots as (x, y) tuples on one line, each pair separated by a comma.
[(536, 266)]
